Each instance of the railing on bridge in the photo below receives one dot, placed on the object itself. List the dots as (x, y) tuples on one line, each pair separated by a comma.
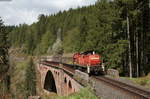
[(60, 59)]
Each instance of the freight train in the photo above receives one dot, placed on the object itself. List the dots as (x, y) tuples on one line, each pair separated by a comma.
[(89, 61)]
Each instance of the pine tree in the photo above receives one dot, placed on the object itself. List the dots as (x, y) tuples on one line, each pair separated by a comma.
[(30, 78), (3, 50), (47, 42), (4, 65), (83, 32), (146, 35)]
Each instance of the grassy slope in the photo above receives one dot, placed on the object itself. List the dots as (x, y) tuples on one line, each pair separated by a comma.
[(143, 81), (85, 93)]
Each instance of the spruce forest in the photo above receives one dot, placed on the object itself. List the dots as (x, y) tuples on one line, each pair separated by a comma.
[(118, 30)]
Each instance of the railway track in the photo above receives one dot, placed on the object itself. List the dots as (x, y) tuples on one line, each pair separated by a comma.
[(132, 90)]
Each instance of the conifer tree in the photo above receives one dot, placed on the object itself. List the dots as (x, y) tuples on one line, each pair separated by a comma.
[(30, 78), (3, 50), (83, 32), (4, 65)]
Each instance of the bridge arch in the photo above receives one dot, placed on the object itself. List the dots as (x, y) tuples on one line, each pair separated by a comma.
[(70, 85), (65, 80), (49, 83)]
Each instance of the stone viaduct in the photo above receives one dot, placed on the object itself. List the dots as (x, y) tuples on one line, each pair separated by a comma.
[(56, 79)]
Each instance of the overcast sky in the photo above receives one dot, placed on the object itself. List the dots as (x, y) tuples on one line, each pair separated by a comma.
[(26, 11)]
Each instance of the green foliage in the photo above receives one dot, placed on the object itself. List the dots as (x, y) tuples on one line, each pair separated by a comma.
[(23, 79), (29, 43), (4, 64), (30, 78), (83, 32), (3, 49), (115, 53), (18, 87), (46, 43), (71, 42), (84, 93), (4, 60)]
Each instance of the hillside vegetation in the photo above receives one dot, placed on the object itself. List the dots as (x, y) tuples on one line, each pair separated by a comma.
[(23, 77), (118, 30)]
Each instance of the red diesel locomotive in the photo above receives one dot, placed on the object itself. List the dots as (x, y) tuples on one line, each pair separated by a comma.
[(89, 60)]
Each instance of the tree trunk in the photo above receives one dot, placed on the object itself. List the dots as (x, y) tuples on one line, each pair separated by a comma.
[(137, 56), (130, 61)]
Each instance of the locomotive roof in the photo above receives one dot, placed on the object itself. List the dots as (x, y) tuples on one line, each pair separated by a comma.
[(88, 52)]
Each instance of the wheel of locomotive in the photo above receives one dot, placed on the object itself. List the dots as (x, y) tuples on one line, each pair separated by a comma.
[(96, 73)]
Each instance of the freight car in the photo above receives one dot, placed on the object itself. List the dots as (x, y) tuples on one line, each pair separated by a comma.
[(89, 61)]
